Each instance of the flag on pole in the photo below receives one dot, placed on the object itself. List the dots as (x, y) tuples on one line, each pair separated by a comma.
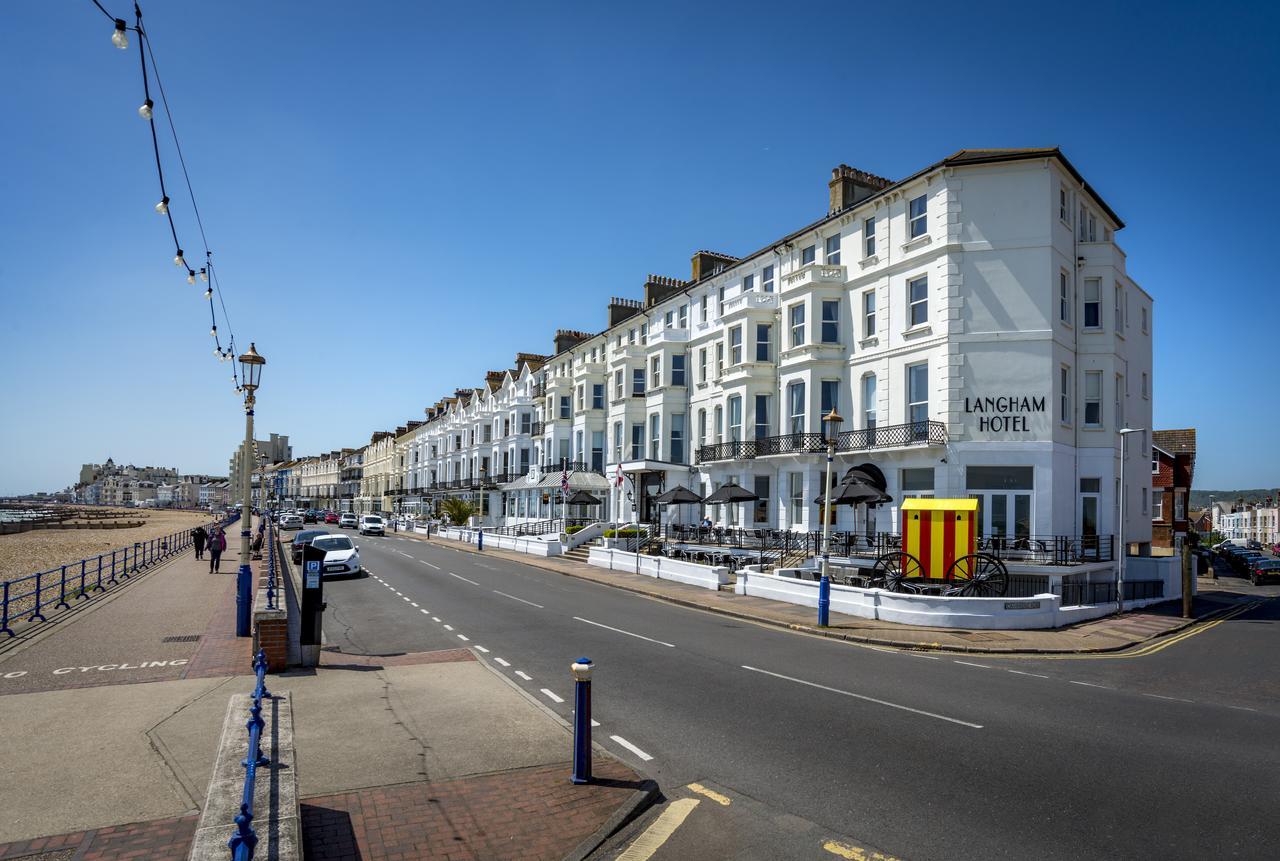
[(564, 481)]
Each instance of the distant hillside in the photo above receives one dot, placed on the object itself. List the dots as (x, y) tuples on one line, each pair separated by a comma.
[(1200, 498)]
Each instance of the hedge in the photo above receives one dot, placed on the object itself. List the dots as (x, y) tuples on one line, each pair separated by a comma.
[(629, 532), (578, 527)]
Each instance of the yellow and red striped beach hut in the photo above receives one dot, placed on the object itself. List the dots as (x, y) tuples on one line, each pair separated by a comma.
[(938, 532)]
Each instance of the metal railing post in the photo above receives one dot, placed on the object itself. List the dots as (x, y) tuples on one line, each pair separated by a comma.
[(83, 593), (62, 592), (112, 578), (35, 611), (4, 611), (98, 586), (581, 670)]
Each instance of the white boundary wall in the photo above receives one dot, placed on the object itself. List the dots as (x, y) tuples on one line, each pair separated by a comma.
[(706, 576), (533, 545)]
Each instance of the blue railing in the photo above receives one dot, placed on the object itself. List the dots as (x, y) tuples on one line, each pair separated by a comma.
[(76, 581), (245, 839), (272, 539)]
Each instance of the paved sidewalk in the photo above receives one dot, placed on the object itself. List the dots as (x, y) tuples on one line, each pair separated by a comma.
[(1107, 634)]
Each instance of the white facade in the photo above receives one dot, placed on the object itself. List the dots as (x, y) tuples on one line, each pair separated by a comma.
[(974, 325), (1257, 523)]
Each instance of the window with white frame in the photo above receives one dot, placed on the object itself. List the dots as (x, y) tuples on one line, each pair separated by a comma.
[(1064, 205), (918, 397), (917, 483), (764, 342), (702, 364), (1180, 508), (748, 283), (702, 427), (796, 404), (831, 250), (735, 345), (869, 314), (1064, 395), (830, 321), (1092, 303), (917, 211), (655, 438), (655, 372), (1144, 384), (766, 279), (677, 438), (796, 495), (718, 424), (808, 254), (869, 237), (564, 407), (1083, 225), (1093, 228), (637, 381), (702, 308), (1144, 319), (830, 396), (795, 314), (719, 359), (1093, 399), (617, 384), (644, 333), (1155, 463), (669, 320), (637, 441), (1119, 318), (617, 442), (677, 369), (581, 397), (918, 300), (869, 402), (682, 316), (597, 396), (762, 417), (1064, 297), (1119, 413), (735, 418)]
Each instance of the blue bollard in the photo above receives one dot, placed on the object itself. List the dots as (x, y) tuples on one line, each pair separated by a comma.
[(581, 670), (824, 601), (244, 602), (480, 540)]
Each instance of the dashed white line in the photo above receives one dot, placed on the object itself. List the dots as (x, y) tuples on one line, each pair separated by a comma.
[(426, 612), (413, 603), (918, 655), (971, 664), (460, 577), (552, 696), (866, 698), (502, 661), (631, 747), (429, 565), (595, 722), (522, 674), (1091, 685), (481, 649), (521, 600), (628, 633), (448, 627), (1024, 673), (1175, 699), (482, 565), (405, 555), (1242, 708), (435, 618)]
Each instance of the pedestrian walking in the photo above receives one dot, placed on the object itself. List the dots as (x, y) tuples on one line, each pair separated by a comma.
[(217, 543), (199, 537)]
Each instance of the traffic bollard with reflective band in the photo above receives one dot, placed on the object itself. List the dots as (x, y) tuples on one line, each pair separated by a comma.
[(581, 670), (824, 601), (480, 540)]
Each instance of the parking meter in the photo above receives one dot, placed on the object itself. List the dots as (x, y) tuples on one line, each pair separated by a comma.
[(312, 604)]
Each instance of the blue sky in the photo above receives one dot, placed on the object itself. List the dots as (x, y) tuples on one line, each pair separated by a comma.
[(400, 196)]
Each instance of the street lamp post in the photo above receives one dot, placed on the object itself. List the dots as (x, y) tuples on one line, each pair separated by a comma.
[(831, 420), (251, 373), (1124, 433)]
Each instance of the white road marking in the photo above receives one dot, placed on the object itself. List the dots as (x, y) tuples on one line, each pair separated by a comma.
[(551, 696), (482, 565), (971, 664), (460, 577), (1024, 673), (413, 603), (1242, 708), (426, 612), (481, 649), (595, 722), (502, 661), (429, 565), (522, 674), (405, 555), (628, 633), (521, 600), (435, 618), (918, 655), (464, 638), (1092, 685), (448, 627), (866, 698), (1175, 699), (631, 747), (405, 598)]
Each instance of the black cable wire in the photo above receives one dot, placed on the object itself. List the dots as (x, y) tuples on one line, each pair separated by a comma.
[(103, 11), (155, 141)]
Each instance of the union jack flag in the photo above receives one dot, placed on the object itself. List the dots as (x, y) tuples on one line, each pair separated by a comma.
[(564, 481)]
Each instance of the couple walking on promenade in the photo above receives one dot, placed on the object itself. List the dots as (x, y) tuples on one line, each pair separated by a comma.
[(215, 542)]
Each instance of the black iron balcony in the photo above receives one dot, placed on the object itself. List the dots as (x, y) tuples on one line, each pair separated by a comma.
[(912, 433), (736, 450), (538, 428), (888, 436)]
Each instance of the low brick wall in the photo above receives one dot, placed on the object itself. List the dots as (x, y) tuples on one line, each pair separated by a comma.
[(270, 626)]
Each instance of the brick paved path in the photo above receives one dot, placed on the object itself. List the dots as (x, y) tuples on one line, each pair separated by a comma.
[(159, 840), (528, 814)]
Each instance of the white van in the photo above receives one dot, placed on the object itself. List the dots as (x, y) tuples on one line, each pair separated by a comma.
[(371, 524)]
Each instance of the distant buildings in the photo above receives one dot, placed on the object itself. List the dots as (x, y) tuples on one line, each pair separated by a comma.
[(1256, 522), (151, 486)]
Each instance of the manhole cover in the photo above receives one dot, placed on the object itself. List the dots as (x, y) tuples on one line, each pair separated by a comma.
[(182, 638)]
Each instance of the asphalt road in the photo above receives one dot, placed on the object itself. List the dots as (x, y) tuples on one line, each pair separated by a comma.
[(1170, 755)]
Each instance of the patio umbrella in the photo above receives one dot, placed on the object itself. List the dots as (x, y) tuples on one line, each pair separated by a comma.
[(730, 493), (678, 495), (854, 491)]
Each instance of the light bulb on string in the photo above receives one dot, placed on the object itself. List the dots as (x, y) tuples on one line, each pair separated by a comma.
[(214, 331), (204, 274), (145, 110), (217, 353), (208, 293), (191, 277), (120, 38), (178, 260), (163, 206)]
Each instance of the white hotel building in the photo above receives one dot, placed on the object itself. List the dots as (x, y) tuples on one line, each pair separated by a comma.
[(973, 324)]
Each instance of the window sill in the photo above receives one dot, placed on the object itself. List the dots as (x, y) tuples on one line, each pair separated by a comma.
[(867, 343), (917, 242), (869, 261), (918, 331), (1094, 428)]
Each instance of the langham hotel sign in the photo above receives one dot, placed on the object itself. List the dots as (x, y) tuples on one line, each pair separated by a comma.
[(1006, 413)]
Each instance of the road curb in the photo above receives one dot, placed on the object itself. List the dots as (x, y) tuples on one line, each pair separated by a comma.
[(852, 638)]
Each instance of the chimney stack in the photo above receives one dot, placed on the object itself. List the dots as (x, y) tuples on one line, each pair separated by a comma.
[(621, 309), (849, 186), (567, 338), (708, 263)]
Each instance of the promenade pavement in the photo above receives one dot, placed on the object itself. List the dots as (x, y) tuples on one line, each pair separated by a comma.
[(422, 755), (1108, 634)]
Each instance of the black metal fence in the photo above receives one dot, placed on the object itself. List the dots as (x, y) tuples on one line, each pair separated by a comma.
[(887, 436)]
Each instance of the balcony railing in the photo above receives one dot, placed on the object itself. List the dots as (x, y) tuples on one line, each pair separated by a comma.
[(538, 428), (538, 390), (888, 436)]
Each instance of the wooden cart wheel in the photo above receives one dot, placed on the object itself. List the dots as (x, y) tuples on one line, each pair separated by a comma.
[(979, 575), (894, 570)]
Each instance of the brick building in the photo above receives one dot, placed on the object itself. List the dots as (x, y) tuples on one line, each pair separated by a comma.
[(1173, 463)]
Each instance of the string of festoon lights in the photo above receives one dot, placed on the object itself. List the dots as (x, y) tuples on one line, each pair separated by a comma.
[(207, 274)]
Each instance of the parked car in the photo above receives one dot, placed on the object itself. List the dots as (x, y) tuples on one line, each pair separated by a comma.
[(348, 521), (1243, 561), (309, 516), (291, 521), (341, 555), (371, 524), (302, 539), (1264, 570), (331, 517)]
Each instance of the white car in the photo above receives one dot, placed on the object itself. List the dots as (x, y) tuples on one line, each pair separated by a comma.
[(371, 524), (290, 521), (341, 556), (347, 521)]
